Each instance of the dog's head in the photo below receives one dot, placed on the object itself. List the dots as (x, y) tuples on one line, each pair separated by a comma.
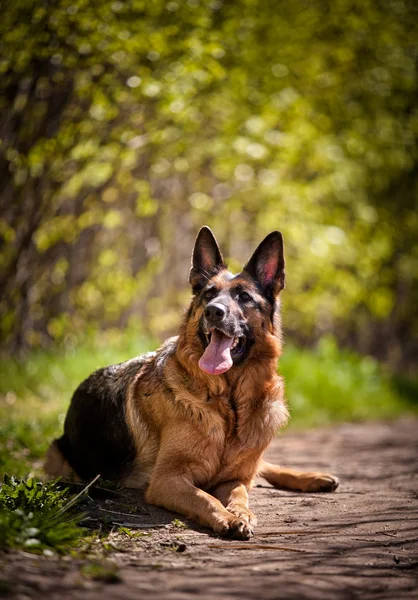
[(234, 313)]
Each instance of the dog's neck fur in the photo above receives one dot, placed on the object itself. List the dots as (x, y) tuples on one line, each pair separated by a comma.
[(249, 396)]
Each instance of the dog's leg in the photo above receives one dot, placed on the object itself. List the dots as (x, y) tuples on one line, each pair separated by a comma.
[(177, 493), (234, 496), (298, 481)]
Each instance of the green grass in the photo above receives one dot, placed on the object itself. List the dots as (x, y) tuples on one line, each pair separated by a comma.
[(332, 385), (322, 386), (38, 517)]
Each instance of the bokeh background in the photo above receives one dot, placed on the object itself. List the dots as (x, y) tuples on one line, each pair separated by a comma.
[(127, 125)]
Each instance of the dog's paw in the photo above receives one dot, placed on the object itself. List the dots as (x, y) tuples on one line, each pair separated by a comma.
[(234, 529), (239, 529), (320, 482), (244, 514)]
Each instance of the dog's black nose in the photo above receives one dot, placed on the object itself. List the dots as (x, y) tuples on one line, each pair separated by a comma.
[(215, 311)]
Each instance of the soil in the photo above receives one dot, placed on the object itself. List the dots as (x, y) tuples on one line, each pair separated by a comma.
[(359, 542)]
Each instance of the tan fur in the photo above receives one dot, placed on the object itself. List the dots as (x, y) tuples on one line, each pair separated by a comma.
[(299, 481)]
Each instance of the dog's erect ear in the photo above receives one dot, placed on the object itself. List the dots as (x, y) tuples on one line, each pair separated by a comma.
[(266, 265), (206, 259)]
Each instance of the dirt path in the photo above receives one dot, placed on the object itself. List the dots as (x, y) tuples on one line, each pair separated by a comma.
[(360, 542)]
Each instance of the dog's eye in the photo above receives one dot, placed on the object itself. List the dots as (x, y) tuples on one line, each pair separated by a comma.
[(210, 294), (244, 296)]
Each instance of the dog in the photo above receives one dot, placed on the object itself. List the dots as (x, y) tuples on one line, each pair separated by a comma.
[(190, 422)]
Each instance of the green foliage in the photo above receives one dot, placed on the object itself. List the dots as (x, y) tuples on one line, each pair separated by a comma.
[(37, 516), (31, 495), (129, 125)]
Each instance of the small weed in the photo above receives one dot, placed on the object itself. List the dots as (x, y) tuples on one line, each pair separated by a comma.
[(107, 485), (126, 531), (179, 524), (133, 534), (106, 572)]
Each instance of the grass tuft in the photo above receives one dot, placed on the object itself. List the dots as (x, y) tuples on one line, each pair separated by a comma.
[(37, 516)]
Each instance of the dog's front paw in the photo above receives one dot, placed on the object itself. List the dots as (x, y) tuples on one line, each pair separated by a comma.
[(244, 514), (234, 528), (320, 482)]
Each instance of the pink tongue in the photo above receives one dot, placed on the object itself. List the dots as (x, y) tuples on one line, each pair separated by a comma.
[(217, 356)]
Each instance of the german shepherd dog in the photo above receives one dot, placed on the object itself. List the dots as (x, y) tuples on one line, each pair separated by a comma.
[(189, 423)]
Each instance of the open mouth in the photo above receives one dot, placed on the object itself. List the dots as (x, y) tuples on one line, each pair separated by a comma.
[(220, 352), (237, 346)]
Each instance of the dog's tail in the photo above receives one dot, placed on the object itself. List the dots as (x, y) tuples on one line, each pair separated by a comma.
[(56, 465)]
